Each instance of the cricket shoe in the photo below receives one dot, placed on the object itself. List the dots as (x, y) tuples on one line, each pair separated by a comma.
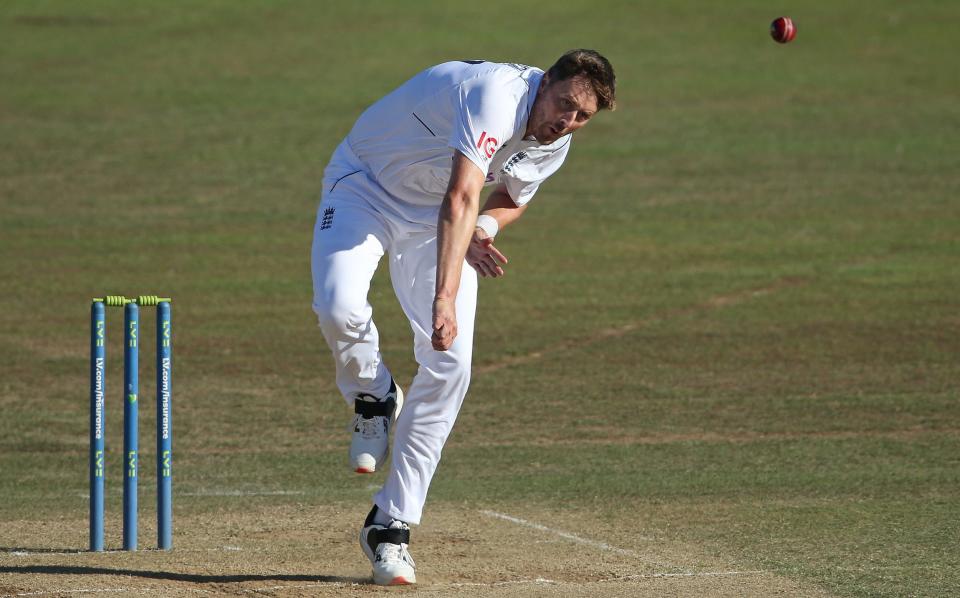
[(386, 547), (371, 428)]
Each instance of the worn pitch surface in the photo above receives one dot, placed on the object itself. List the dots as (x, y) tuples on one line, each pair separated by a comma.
[(308, 551)]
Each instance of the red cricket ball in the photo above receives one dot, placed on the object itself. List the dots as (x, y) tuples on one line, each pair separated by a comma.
[(783, 30)]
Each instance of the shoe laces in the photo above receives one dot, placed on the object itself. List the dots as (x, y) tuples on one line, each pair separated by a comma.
[(369, 428), (392, 553), (395, 553)]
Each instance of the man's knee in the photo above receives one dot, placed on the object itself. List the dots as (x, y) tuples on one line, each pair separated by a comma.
[(339, 313), (452, 374)]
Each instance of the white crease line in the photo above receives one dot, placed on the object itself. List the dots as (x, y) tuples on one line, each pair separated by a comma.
[(243, 493), (608, 547), (686, 574), (516, 582), (312, 586), (93, 554), (147, 590), (562, 534), (580, 540), (60, 592), (227, 493), (341, 584), (542, 581), (56, 553)]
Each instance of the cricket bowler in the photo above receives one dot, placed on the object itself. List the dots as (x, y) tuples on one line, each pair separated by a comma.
[(404, 186)]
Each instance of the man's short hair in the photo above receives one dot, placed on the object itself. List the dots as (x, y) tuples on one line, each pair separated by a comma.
[(596, 69)]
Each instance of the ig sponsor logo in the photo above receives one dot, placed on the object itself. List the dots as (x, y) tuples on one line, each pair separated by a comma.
[(488, 145)]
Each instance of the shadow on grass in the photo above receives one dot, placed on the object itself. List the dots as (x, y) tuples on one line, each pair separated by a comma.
[(172, 576)]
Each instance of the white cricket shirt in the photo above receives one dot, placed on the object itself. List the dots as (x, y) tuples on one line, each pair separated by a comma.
[(405, 141)]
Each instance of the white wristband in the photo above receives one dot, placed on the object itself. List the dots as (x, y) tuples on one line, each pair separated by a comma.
[(489, 224)]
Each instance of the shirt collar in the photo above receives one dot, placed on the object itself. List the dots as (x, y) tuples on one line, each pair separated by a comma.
[(533, 80), (533, 77)]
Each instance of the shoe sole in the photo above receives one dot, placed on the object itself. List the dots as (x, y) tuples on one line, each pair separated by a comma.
[(397, 581), (364, 463)]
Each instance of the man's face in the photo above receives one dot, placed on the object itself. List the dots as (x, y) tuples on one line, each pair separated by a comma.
[(561, 107)]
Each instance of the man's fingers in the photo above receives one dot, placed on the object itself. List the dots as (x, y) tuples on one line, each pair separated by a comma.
[(479, 267), (496, 254), (444, 324), (486, 267), (493, 269), (442, 338), (486, 259), (492, 250)]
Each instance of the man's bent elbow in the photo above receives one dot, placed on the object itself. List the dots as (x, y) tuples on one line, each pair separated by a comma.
[(458, 204)]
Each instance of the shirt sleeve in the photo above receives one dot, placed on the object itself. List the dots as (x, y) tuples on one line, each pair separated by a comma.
[(484, 113), (523, 176)]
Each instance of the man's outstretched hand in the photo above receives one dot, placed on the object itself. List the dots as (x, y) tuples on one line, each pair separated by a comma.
[(484, 257)]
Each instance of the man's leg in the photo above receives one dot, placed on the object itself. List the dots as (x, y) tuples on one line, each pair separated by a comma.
[(437, 392), (432, 403), (349, 240)]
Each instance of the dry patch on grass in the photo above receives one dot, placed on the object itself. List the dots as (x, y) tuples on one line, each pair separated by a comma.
[(306, 550)]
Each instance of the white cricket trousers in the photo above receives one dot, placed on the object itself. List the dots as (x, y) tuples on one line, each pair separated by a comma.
[(355, 227)]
